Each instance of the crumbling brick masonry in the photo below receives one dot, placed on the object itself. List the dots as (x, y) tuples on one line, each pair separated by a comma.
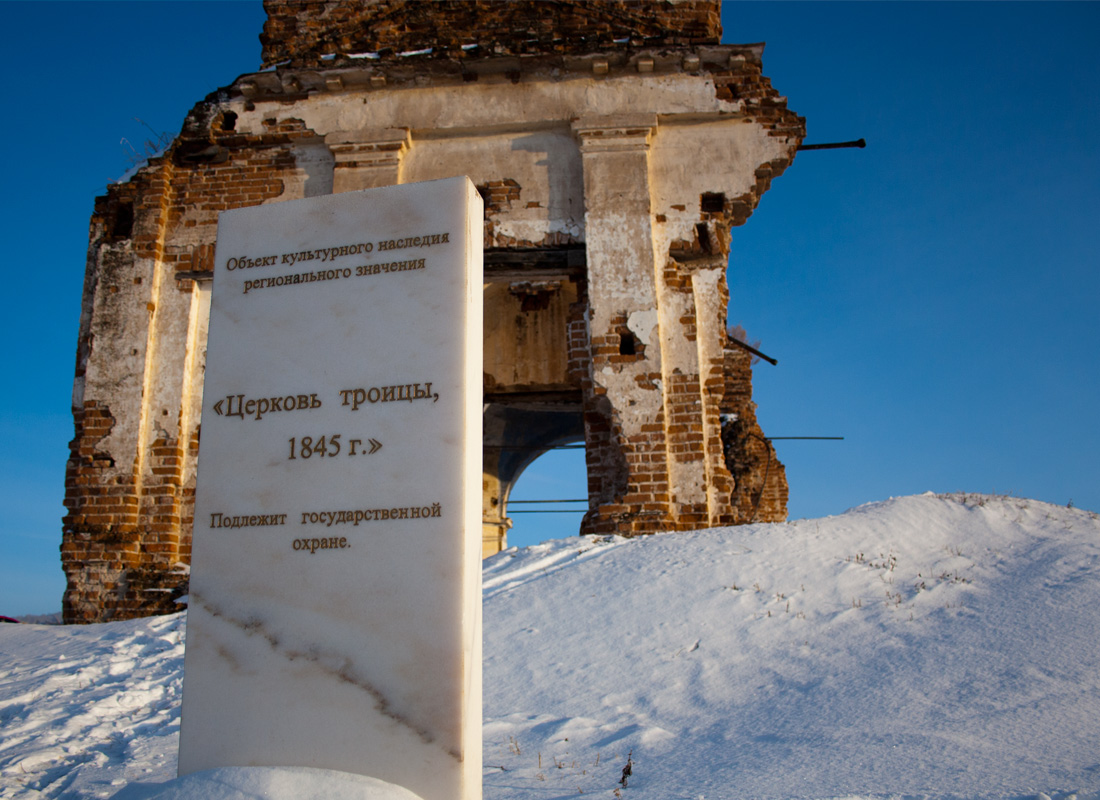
[(616, 144)]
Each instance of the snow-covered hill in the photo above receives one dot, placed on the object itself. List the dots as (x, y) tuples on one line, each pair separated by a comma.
[(931, 646)]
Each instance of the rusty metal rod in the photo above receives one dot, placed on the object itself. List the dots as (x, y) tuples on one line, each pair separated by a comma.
[(533, 447), (754, 351), (861, 143), (512, 511)]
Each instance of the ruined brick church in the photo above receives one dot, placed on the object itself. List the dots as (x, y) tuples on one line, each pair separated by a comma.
[(615, 143)]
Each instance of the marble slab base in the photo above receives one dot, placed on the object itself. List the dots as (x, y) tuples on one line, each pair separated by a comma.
[(335, 605)]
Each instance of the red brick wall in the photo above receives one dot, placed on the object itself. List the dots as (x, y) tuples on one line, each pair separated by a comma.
[(128, 526), (301, 31), (760, 481)]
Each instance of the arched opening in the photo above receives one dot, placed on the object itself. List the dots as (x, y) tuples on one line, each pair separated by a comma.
[(516, 432), (548, 499), (535, 302)]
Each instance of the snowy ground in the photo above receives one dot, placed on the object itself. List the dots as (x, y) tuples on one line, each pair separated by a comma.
[(924, 647)]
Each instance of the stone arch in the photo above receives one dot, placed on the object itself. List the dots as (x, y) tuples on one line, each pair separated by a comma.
[(533, 400), (515, 436)]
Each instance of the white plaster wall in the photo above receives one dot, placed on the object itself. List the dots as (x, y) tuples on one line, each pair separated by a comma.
[(710, 318), (194, 370), (484, 106), (165, 373), (313, 177), (115, 372), (704, 156), (545, 163)]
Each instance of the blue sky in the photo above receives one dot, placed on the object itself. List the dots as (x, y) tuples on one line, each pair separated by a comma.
[(932, 298)]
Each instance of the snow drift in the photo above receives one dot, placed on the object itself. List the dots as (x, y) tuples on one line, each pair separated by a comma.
[(931, 646)]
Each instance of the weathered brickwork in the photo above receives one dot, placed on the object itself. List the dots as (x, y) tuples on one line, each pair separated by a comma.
[(127, 537), (615, 143), (760, 491), (310, 33), (501, 198)]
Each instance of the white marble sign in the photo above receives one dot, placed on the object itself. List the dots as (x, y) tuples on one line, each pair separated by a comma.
[(335, 605)]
